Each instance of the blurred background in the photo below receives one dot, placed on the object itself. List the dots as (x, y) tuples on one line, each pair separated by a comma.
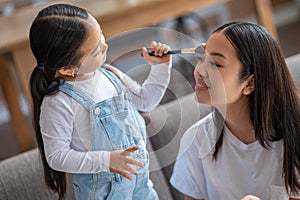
[(186, 29)]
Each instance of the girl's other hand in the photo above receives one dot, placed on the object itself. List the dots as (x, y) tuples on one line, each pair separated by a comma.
[(120, 162), (158, 49)]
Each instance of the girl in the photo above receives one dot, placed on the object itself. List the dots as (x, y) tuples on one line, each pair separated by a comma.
[(85, 113), (250, 143)]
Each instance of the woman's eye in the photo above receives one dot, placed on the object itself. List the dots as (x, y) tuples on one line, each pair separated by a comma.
[(215, 64), (201, 58)]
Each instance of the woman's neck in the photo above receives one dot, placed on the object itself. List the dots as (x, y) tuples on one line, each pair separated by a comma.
[(237, 119)]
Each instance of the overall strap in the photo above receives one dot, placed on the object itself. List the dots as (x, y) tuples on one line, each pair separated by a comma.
[(77, 94), (113, 78)]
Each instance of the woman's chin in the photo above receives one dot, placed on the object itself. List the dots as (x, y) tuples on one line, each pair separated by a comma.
[(201, 99)]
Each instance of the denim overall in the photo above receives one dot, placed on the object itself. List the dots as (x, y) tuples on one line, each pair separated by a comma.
[(115, 124)]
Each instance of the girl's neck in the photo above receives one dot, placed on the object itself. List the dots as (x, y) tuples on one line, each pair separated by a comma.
[(80, 77)]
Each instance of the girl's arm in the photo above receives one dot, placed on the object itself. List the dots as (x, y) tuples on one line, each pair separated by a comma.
[(58, 124), (148, 96)]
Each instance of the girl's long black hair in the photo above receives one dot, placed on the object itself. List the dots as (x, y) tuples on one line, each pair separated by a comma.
[(55, 37)]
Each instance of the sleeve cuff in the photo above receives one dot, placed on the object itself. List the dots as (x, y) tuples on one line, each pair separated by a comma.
[(104, 159), (166, 65)]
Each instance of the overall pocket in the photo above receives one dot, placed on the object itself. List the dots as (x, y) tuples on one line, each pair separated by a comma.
[(122, 128)]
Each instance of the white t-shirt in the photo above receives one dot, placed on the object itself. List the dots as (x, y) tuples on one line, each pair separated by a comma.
[(239, 170), (65, 123)]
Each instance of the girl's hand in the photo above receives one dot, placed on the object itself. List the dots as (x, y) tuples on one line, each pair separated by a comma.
[(119, 162), (158, 49), (250, 197)]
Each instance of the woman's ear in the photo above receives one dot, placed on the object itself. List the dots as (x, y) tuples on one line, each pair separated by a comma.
[(249, 85), (68, 71)]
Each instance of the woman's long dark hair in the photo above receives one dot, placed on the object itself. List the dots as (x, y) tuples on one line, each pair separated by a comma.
[(275, 102), (56, 35)]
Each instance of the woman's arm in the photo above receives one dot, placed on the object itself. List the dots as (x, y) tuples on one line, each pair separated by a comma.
[(250, 197), (189, 198)]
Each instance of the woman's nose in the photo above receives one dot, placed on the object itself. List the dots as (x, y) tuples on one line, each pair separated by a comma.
[(201, 69)]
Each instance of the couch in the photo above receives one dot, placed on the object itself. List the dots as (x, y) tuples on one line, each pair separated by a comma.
[(21, 176)]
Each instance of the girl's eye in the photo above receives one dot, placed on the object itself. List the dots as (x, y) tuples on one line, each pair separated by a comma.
[(97, 50)]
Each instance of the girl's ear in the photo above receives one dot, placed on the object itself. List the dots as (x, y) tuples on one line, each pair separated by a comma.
[(249, 86), (68, 71)]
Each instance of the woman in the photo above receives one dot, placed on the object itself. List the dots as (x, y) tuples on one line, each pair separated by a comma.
[(250, 144)]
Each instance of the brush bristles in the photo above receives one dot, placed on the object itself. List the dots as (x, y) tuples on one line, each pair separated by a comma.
[(188, 50)]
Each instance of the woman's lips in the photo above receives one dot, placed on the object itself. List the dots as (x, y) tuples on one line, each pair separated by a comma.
[(200, 84)]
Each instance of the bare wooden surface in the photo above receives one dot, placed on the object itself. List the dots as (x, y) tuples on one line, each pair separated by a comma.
[(114, 16), (265, 15), (10, 92)]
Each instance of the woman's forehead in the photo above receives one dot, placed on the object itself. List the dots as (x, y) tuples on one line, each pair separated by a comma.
[(218, 42)]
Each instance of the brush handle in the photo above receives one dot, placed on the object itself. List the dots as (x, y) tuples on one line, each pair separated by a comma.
[(168, 53)]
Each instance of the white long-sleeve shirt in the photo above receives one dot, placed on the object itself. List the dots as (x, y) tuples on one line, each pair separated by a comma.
[(65, 123)]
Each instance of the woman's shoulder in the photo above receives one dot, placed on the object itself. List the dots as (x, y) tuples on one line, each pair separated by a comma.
[(200, 137), (202, 124)]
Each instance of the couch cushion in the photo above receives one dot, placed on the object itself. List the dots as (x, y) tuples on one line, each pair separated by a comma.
[(293, 63), (21, 177), (165, 127)]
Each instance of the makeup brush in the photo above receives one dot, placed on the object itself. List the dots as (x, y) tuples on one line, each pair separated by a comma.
[(198, 51)]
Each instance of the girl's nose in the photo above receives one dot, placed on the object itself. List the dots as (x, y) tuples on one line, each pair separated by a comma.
[(104, 47)]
